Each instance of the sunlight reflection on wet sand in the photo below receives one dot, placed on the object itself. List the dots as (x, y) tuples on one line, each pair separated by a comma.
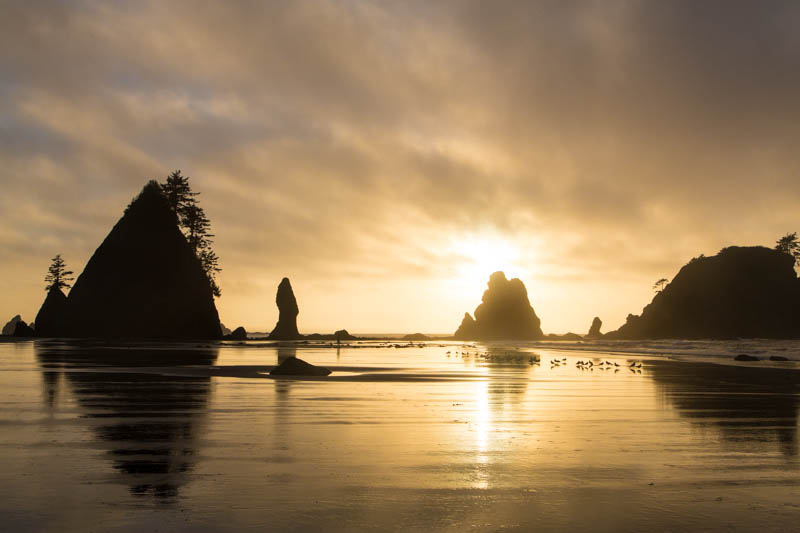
[(147, 437)]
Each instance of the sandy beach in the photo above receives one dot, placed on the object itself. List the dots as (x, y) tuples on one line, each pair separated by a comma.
[(196, 437)]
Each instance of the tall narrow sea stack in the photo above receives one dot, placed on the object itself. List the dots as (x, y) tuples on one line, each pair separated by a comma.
[(504, 314), (594, 329), (286, 328), (144, 281)]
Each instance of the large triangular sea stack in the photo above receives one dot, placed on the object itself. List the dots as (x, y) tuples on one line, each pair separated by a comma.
[(742, 292), (144, 281), (504, 314)]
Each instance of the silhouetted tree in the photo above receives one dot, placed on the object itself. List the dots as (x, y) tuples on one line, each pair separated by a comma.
[(194, 224), (788, 244), (659, 285), (211, 266), (178, 193), (57, 275)]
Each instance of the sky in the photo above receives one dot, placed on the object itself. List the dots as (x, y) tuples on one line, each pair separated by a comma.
[(389, 156)]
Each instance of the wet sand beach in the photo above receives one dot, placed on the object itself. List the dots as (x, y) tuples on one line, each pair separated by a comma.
[(483, 438)]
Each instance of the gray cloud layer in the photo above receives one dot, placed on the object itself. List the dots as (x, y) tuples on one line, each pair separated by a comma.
[(346, 143)]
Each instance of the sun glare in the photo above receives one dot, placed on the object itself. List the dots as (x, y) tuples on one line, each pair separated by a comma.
[(480, 256)]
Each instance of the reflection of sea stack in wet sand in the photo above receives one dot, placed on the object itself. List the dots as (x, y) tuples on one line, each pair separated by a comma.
[(286, 328), (505, 313)]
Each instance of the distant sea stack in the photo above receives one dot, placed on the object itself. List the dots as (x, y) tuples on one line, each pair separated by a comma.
[(239, 334), (343, 335), (594, 329), (21, 329), (505, 313), (286, 328), (11, 325), (52, 316), (144, 281), (742, 292)]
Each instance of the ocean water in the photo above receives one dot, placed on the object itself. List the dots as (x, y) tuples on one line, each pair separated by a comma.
[(412, 437)]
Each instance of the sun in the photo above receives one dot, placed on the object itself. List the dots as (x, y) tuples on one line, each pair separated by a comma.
[(478, 256)]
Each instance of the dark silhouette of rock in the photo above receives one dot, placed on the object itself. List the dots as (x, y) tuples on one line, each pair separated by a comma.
[(505, 313), (467, 329), (565, 337), (11, 325), (778, 358), (745, 357), (286, 328), (742, 292), (292, 366), (52, 316), (21, 329), (224, 330), (144, 280), (417, 337), (239, 334), (594, 330), (343, 335)]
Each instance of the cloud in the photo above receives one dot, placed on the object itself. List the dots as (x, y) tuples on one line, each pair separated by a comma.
[(348, 143)]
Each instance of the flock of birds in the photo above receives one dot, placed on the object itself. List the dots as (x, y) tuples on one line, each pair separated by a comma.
[(534, 359), (634, 366)]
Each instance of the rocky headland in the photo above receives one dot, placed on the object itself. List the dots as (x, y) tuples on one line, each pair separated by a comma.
[(742, 292)]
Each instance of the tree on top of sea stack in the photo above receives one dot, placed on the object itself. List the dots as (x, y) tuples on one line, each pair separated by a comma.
[(789, 245), (144, 280), (194, 224), (50, 320), (58, 276)]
